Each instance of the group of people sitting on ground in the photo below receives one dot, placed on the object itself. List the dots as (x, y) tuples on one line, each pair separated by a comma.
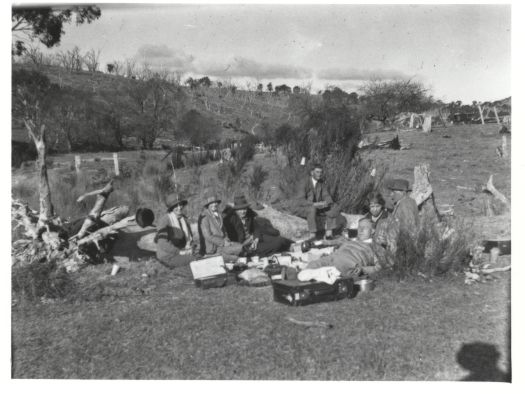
[(234, 232), (238, 231)]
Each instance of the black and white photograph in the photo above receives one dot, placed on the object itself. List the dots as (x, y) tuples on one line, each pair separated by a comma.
[(246, 192)]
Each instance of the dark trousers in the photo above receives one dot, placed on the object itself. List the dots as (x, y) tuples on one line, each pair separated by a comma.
[(169, 256), (270, 244), (323, 219)]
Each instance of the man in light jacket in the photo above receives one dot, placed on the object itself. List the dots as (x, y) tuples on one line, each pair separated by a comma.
[(211, 232)]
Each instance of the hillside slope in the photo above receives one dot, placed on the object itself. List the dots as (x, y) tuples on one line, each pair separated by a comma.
[(237, 113)]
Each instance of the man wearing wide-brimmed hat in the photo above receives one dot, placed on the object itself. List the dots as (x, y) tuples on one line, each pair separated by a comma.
[(405, 216), (211, 231), (256, 234), (174, 238)]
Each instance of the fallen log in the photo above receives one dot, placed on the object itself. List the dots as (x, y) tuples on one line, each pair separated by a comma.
[(489, 187), (96, 211), (106, 231), (290, 226)]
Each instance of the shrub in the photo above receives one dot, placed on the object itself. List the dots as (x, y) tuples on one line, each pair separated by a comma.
[(256, 179), (429, 252), (244, 152), (227, 174), (41, 278), (24, 189), (352, 179)]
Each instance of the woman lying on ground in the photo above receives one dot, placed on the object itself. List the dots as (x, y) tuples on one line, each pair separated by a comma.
[(174, 239)]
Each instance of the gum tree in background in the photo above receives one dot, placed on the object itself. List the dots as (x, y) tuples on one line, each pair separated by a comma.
[(45, 24)]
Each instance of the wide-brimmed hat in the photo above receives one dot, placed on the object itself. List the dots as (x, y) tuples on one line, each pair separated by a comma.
[(144, 217), (398, 184), (240, 202), (175, 199), (210, 199)]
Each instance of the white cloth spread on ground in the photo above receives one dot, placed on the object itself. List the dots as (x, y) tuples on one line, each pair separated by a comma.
[(324, 274), (181, 224)]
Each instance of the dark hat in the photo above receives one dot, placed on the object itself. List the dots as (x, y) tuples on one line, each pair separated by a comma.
[(175, 199), (398, 184), (144, 217), (240, 202), (210, 199)]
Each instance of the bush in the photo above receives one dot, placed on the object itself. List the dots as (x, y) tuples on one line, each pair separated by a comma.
[(430, 253), (256, 179), (227, 174), (41, 278), (244, 152), (352, 179)]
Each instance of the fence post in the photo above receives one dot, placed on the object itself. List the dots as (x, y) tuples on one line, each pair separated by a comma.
[(496, 113), (77, 164), (427, 124), (481, 114), (115, 162)]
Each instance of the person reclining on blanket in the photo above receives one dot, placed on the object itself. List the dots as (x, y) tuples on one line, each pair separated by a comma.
[(354, 256)]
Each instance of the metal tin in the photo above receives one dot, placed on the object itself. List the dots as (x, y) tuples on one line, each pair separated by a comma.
[(366, 285)]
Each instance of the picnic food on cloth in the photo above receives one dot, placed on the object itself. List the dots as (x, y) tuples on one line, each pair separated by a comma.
[(323, 274)]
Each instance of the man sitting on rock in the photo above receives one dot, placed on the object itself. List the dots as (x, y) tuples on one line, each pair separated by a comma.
[(318, 206)]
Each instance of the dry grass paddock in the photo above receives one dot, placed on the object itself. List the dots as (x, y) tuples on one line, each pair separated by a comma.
[(147, 322), (162, 327)]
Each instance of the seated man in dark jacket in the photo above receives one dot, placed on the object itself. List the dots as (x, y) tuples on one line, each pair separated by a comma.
[(318, 206), (256, 234)]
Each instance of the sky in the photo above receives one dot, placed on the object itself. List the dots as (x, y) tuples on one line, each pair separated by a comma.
[(461, 52)]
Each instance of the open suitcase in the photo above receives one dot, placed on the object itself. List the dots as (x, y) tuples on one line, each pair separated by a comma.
[(297, 293), (210, 272)]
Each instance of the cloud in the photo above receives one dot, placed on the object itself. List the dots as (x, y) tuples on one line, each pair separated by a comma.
[(163, 56), (149, 51), (353, 74), (244, 67)]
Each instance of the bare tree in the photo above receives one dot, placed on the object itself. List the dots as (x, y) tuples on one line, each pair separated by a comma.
[(30, 98), (71, 60), (91, 60), (385, 98), (131, 67), (34, 55)]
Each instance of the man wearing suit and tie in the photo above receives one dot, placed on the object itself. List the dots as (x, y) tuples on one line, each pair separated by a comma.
[(321, 212)]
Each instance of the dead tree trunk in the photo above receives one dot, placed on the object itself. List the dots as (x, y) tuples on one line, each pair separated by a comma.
[(46, 206), (423, 193), (491, 190)]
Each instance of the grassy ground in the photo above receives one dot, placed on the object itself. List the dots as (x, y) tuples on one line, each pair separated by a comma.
[(461, 160), (162, 327)]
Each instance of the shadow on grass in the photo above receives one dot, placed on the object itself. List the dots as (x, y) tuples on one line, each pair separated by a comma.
[(481, 360)]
